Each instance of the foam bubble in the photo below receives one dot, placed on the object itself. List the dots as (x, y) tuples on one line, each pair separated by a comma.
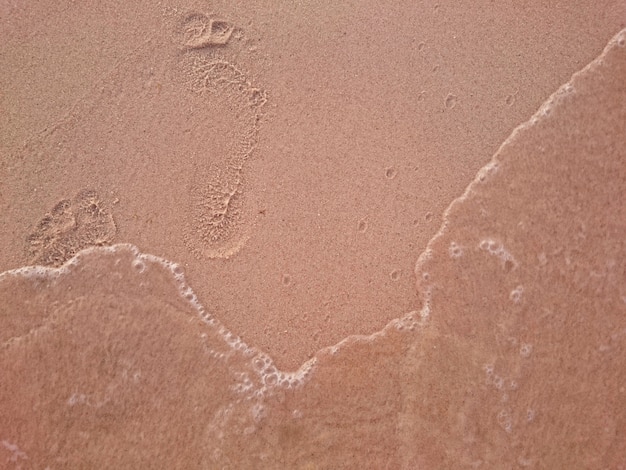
[(497, 249), (487, 171), (504, 420), (516, 294), (455, 251), (412, 319), (261, 362), (498, 382), (244, 384), (139, 265), (176, 269), (258, 411), (525, 349), (271, 380), (189, 295)]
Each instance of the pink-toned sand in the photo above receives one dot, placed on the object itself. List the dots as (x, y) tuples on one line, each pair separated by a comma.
[(295, 161)]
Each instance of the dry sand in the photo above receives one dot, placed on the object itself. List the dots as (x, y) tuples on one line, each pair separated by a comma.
[(293, 162)]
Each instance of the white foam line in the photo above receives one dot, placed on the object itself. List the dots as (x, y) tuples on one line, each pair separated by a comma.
[(407, 322), (187, 294)]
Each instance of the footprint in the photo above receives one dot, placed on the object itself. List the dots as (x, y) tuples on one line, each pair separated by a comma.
[(217, 223), (71, 226)]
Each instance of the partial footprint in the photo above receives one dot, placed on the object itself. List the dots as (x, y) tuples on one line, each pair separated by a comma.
[(71, 226), (216, 228), (217, 224), (198, 30)]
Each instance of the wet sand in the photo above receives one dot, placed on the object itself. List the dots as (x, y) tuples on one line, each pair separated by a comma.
[(295, 192)]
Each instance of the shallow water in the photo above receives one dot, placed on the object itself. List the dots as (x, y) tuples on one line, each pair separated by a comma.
[(512, 357)]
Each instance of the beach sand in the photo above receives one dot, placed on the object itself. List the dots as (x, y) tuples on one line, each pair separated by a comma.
[(313, 236)]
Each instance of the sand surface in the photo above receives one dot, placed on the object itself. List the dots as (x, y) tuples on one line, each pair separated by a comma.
[(227, 203)]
